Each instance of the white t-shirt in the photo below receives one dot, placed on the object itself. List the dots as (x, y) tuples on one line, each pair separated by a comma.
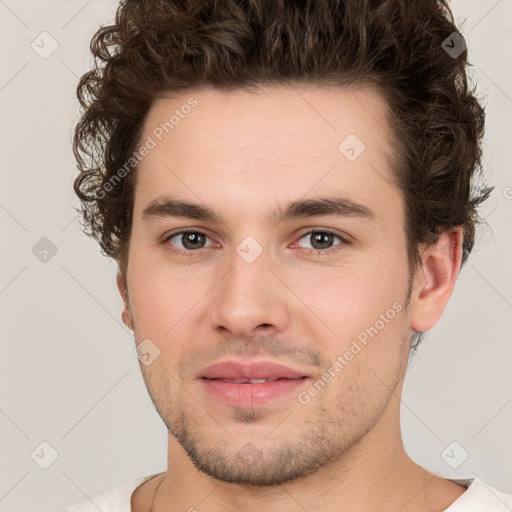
[(479, 497)]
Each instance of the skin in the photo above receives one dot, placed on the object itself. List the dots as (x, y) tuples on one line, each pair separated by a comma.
[(242, 154)]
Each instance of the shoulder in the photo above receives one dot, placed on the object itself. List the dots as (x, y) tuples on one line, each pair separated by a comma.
[(117, 499), (481, 496)]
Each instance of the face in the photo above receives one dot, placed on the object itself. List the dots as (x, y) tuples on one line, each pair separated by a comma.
[(310, 296)]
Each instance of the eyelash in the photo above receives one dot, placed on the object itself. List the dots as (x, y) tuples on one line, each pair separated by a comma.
[(310, 252)]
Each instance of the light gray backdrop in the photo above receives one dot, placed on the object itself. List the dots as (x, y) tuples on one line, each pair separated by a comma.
[(68, 377)]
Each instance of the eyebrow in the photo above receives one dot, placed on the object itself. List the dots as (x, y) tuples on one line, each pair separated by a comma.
[(166, 206)]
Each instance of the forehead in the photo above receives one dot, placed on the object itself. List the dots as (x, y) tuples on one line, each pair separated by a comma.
[(249, 151)]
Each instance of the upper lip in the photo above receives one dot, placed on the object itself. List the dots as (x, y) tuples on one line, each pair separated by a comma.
[(256, 370)]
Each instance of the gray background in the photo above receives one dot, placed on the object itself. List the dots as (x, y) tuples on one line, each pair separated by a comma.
[(68, 376)]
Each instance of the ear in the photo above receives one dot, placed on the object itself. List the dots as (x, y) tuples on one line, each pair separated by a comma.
[(123, 291), (435, 279)]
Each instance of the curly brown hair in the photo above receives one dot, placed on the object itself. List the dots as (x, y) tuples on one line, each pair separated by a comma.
[(160, 47)]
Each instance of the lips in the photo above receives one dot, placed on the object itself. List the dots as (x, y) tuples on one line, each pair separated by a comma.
[(232, 370), (249, 385)]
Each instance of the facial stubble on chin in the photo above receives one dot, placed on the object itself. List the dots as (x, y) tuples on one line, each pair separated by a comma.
[(322, 438)]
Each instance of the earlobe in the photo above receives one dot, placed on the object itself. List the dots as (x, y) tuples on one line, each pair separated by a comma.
[(127, 318), (435, 280), (123, 291)]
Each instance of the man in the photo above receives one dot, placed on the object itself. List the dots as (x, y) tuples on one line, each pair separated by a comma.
[(286, 187)]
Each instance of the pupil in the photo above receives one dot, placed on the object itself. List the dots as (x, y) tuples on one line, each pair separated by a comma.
[(192, 238), (318, 239)]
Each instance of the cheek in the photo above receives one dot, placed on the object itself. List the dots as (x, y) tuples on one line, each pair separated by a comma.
[(158, 297), (169, 304), (351, 297)]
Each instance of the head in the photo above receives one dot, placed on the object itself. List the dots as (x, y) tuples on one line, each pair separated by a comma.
[(264, 114)]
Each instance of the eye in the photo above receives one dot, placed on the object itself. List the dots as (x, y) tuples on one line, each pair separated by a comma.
[(190, 239), (322, 241)]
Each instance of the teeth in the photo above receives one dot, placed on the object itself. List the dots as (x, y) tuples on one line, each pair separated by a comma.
[(246, 381)]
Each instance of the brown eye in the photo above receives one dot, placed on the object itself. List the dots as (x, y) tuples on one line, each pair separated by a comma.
[(322, 241), (188, 240), (192, 240)]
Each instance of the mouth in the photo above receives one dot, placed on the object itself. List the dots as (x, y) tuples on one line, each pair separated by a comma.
[(251, 381), (250, 385)]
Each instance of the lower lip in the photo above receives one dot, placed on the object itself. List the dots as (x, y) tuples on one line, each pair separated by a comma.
[(249, 395)]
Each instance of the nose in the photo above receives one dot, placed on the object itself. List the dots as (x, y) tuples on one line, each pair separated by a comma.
[(249, 299)]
